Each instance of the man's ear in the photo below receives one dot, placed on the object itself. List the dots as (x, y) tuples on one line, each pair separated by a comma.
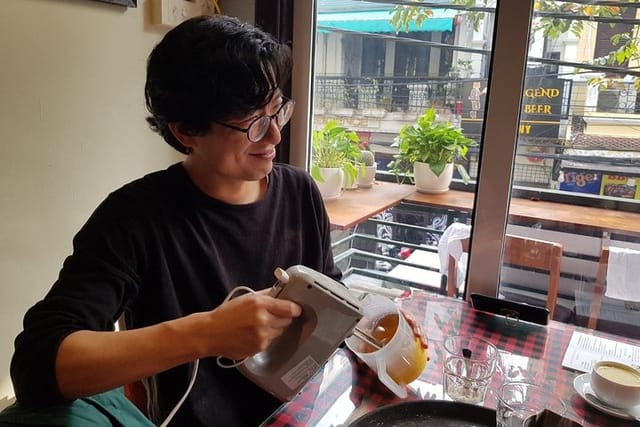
[(183, 138)]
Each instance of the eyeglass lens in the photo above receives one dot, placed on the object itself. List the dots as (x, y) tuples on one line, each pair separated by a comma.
[(258, 129)]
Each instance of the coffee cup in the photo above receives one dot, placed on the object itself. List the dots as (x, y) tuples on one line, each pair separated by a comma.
[(400, 358), (616, 383)]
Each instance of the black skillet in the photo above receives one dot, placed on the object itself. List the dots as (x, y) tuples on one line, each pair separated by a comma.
[(438, 413)]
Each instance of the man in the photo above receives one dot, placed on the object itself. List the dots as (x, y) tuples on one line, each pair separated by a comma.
[(166, 249)]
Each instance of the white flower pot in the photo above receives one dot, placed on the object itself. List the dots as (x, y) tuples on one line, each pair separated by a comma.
[(427, 182), (331, 188), (365, 179)]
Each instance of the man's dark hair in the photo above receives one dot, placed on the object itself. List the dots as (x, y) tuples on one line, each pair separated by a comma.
[(211, 68)]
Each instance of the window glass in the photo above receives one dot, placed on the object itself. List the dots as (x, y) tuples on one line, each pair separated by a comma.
[(576, 177), (377, 70), (576, 169)]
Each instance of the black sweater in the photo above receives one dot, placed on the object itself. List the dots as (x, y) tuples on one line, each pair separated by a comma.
[(158, 249)]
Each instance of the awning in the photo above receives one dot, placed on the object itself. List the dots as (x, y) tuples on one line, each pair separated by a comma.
[(379, 21)]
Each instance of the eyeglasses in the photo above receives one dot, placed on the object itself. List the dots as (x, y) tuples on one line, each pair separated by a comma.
[(259, 127)]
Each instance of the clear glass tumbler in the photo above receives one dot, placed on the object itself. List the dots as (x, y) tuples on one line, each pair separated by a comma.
[(519, 402), (469, 364)]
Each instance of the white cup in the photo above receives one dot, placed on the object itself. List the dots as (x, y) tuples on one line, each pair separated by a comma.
[(616, 383), (401, 359)]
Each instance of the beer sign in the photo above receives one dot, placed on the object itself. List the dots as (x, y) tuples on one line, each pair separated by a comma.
[(541, 107)]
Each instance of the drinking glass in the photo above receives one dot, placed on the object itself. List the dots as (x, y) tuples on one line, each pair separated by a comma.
[(469, 363), (519, 401)]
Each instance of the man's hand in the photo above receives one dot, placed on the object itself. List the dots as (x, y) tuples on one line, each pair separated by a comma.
[(248, 324)]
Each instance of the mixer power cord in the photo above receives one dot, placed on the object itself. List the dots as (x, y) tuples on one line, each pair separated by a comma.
[(196, 363)]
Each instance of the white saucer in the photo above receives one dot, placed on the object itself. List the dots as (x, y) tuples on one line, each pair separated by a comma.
[(582, 386)]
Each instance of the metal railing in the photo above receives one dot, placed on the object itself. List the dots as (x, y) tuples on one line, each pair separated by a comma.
[(386, 93), (410, 94)]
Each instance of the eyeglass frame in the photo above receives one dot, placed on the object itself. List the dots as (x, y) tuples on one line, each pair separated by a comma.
[(285, 101)]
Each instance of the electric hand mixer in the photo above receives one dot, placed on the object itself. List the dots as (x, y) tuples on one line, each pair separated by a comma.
[(329, 315)]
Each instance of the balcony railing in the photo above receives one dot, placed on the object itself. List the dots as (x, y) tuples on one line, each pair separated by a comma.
[(386, 93), (410, 94)]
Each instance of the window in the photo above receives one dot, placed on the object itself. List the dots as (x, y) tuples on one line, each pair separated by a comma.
[(560, 164), (578, 146), (373, 78)]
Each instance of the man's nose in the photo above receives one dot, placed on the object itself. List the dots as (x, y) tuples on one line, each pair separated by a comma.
[(273, 135)]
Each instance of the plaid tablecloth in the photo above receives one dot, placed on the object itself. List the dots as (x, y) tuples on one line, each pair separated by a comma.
[(345, 388)]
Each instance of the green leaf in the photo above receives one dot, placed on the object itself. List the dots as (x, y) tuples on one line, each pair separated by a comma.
[(437, 168), (334, 146), (316, 174), (350, 172), (428, 141), (463, 173)]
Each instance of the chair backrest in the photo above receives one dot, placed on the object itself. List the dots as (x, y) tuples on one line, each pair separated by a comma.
[(452, 270), (525, 252), (598, 291)]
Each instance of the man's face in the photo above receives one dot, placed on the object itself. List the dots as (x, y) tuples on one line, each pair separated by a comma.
[(229, 154)]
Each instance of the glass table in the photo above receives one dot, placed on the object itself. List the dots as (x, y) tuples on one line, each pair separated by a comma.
[(345, 388)]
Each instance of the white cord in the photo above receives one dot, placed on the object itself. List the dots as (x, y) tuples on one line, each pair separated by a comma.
[(235, 364), (194, 371), (192, 381), (236, 289)]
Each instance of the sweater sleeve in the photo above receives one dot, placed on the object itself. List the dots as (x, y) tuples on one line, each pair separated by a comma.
[(94, 285)]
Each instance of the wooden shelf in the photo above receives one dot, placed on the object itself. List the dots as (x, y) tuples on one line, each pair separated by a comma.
[(459, 200), (567, 216), (575, 217), (355, 206)]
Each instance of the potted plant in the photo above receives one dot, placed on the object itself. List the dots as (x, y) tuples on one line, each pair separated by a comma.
[(335, 155), (367, 172), (427, 151)]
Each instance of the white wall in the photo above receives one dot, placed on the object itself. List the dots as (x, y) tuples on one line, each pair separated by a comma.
[(242, 9), (72, 129)]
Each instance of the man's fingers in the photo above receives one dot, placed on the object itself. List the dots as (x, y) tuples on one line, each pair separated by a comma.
[(277, 322), (283, 308)]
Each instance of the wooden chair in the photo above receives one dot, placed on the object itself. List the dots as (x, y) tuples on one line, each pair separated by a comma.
[(598, 291), (452, 270), (524, 252)]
